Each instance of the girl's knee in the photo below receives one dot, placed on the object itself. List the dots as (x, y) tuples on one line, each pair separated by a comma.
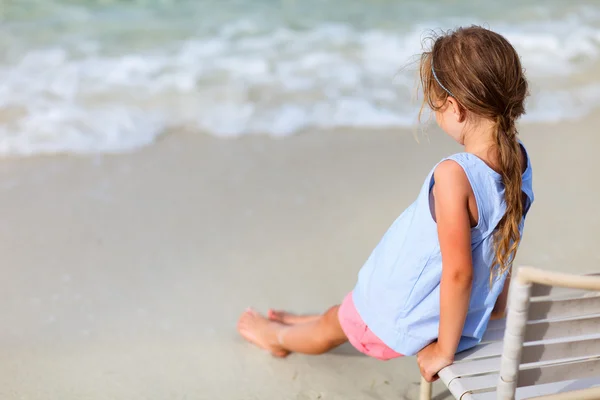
[(332, 312), (331, 328), (330, 319)]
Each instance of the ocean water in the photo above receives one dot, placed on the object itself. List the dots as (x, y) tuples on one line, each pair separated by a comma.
[(88, 76)]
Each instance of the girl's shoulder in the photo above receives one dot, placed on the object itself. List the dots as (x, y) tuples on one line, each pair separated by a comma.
[(473, 166)]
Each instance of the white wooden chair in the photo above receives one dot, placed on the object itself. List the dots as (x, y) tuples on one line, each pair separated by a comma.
[(548, 347)]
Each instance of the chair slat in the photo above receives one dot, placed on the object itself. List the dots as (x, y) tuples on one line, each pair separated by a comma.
[(459, 386), (556, 293), (583, 394), (484, 350), (475, 367), (566, 328), (560, 350), (543, 390), (554, 309), (493, 336), (548, 373)]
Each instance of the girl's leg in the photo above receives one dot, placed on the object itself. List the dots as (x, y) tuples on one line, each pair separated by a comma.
[(290, 319), (312, 337)]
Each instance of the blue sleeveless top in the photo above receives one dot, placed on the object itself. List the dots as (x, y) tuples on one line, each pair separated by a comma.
[(398, 290)]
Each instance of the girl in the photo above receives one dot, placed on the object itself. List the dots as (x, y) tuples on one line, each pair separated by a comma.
[(440, 272)]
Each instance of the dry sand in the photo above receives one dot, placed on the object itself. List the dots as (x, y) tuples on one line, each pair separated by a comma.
[(123, 276)]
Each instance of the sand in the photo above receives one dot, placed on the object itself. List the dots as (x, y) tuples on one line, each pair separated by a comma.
[(124, 275)]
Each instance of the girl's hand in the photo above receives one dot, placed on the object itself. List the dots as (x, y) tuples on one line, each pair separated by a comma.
[(431, 360)]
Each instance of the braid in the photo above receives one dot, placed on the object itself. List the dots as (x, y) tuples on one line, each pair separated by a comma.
[(507, 235)]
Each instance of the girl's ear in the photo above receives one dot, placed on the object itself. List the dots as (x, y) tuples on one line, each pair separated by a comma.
[(457, 110)]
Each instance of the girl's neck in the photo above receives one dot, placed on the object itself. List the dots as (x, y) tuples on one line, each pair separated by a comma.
[(480, 141)]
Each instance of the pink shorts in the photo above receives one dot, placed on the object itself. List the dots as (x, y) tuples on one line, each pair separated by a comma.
[(359, 334)]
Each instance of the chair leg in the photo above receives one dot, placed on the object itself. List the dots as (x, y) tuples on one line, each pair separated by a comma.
[(425, 390)]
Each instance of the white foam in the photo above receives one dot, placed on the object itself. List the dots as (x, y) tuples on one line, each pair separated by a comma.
[(561, 105), (239, 81)]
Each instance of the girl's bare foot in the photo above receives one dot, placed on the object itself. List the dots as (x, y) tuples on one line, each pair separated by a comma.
[(289, 318), (260, 331)]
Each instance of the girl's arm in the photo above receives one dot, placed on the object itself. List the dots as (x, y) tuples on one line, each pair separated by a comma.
[(451, 192)]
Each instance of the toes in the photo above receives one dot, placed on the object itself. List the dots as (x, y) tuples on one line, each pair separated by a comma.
[(241, 320), (280, 353), (255, 328), (249, 318), (245, 319)]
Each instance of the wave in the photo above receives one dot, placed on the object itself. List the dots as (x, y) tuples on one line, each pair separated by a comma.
[(85, 98)]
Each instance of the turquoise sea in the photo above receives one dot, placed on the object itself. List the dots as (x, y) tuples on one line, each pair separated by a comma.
[(112, 75)]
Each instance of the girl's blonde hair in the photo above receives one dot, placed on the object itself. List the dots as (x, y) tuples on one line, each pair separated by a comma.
[(483, 72)]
